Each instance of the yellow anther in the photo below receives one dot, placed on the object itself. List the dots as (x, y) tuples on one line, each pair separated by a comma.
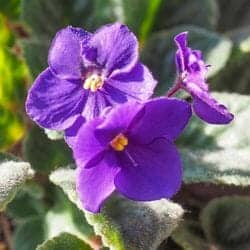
[(93, 82), (119, 142)]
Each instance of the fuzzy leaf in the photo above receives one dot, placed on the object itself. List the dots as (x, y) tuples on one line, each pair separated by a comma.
[(121, 222), (12, 176), (219, 166), (64, 241), (159, 53), (189, 235), (226, 222), (29, 234), (44, 154), (219, 154), (28, 202), (65, 217), (54, 135)]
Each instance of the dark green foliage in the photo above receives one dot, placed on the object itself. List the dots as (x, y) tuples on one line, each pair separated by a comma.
[(27, 203), (29, 234), (189, 235), (226, 222), (203, 13), (233, 14), (64, 241), (10, 8), (44, 154), (236, 76)]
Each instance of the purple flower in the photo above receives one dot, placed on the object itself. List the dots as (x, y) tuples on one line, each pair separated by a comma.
[(131, 149), (88, 72), (192, 78)]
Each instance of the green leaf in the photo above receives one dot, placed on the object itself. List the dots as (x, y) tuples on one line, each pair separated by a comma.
[(189, 235), (12, 128), (66, 217), (219, 154), (10, 8), (226, 222), (28, 202), (194, 12), (13, 77), (7, 157), (121, 221), (44, 154), (106, 12), (63, 217), (236, 70), (228, 166), (13, 71), (64, 241), (29, 234), (234, 14), (140, 18), (35, 52), (12, 176), (6, 37), (159, 53), (241, 38)]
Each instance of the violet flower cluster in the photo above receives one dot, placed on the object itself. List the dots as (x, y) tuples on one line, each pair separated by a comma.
[(98, 92)]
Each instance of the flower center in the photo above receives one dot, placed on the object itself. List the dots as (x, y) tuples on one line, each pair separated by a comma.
[(119, 142), (93, 82)]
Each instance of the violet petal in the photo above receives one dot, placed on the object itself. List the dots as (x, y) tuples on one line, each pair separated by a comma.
[(95, 184), (54, 103), (162, 117), (137, 84), (116, 48), (65, 57), (150, 172), (209, 110)]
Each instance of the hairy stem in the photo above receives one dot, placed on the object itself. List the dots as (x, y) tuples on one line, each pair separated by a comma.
[(173, 90), (5, 225)]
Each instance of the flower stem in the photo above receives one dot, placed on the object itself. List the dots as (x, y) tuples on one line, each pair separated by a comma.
[(173, 90)]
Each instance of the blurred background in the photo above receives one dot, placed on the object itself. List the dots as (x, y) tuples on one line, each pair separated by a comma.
[(220, 28)]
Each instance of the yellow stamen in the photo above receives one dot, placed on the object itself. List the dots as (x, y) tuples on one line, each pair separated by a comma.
[(119, 142), (93, 82)]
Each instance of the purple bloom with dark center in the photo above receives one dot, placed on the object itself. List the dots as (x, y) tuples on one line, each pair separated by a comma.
[(88, 72), (131, 149), (192, 78)]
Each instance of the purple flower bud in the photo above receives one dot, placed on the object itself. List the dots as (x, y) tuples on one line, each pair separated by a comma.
[(192, 77)]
